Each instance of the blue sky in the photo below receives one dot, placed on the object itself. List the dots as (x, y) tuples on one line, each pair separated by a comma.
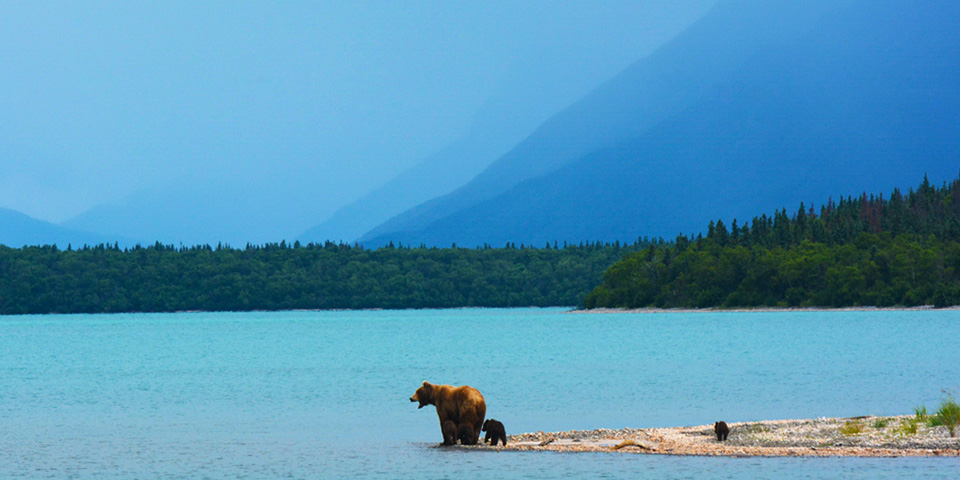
[(322, 100)]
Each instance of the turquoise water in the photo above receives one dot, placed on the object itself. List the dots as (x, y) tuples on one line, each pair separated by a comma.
[(325, 394)]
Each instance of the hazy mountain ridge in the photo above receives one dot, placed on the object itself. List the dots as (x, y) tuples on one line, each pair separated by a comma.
[(864, 101), (438, 174), (269, 152), (535, 90), (18, 229), (649, 91)]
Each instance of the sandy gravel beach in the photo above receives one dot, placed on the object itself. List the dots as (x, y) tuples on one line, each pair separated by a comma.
[(860, 436), (765, 309)]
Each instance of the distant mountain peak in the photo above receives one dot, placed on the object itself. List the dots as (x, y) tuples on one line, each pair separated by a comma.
[(18, 229), (756, 106)]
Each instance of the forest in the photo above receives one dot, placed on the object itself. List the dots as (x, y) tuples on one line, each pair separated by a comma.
[(865, 251), (162, 278), (902, 250)]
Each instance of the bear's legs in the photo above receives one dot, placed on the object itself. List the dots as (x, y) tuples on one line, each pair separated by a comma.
[(466, 435), (444, 430), (449, 430)]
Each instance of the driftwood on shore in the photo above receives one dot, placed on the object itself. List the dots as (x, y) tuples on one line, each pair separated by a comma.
[(630, 442), (860, 436)]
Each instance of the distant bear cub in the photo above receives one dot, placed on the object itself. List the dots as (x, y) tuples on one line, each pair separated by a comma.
[(495, 432), (722, 430)]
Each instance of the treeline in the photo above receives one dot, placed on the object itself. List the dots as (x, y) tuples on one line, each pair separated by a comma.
[(865, 251), (161, 278)]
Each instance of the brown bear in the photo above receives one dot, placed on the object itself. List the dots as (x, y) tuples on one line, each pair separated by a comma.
[(722, 430), (449, 433), (461, 405), (494, 431)]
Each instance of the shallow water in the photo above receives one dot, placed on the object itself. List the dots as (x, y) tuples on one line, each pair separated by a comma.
[(325, 394)]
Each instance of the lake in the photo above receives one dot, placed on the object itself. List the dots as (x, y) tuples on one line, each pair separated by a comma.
[(307, 395)]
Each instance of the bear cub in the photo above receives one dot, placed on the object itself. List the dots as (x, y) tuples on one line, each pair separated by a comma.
[(495, 432), (722, 430), (467, 435), (449, 433)]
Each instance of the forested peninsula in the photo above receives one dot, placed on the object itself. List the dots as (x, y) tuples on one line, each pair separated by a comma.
[(163, 278), (866, 251)]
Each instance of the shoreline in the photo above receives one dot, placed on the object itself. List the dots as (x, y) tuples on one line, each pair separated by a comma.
[(922, 308), (869, 436)]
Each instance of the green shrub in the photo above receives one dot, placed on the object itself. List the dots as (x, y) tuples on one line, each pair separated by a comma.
[(881, 422), (909, 426), (949, 414), (755, 428), (852, 427), (921, 412)]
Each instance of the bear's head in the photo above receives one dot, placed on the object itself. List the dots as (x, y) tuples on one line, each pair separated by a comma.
[(484, 427), (424, 395)]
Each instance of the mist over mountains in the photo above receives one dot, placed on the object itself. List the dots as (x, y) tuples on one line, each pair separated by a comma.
[(758, 106), (537, 90), (252, 125), (19, 230)]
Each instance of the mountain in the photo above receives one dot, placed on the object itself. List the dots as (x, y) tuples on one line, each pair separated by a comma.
[(436, 175), (644, 94), (531, 92), (235, 211), (18, 229), (804, 101)]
